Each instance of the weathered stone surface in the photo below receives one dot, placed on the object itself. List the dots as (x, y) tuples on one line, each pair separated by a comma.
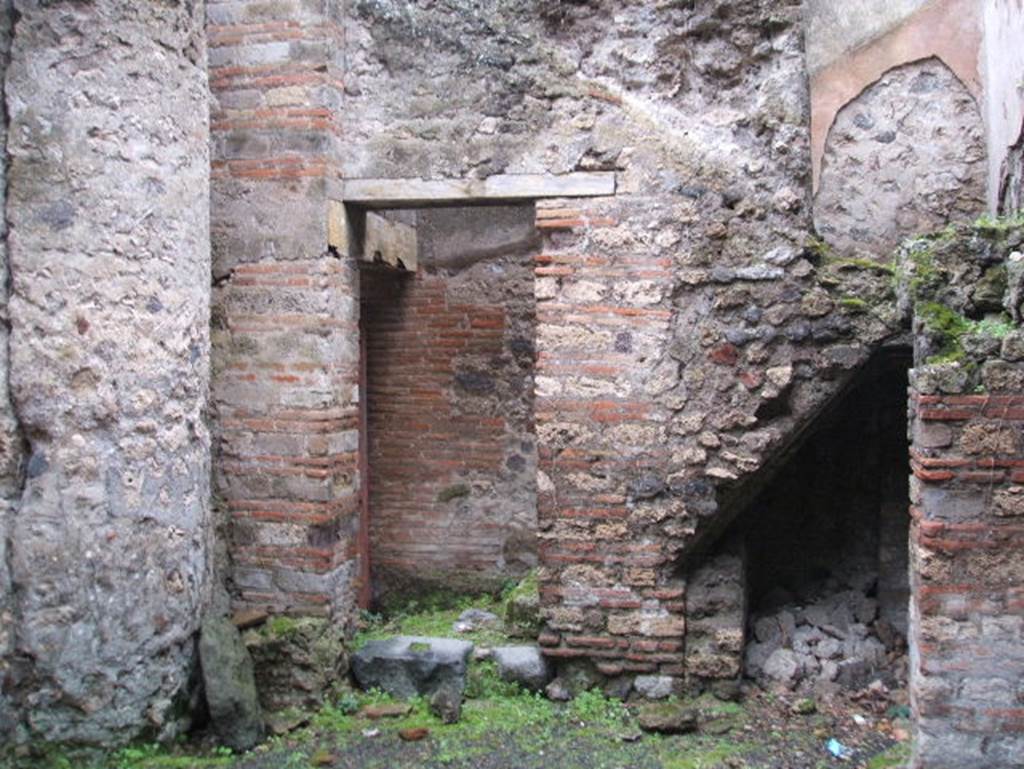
[(229, 684), (11, 441), (296, 662), (522, 610), (887, 175), (668, 718), (654, 687), (406, 666), (446, 704), (109, 266), (524, 665), (783, 666), (558, 691), (475, 619)]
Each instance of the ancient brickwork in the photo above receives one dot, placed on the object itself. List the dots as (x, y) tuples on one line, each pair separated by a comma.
[(967, 560), (285, 385), (285, 311), (600, 325), (452, 459), (967, 578), (108, 259), (275, 83)]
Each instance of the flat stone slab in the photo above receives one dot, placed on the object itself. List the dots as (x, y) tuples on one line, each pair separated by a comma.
[(407, 666), (524, 665), (668, 718)]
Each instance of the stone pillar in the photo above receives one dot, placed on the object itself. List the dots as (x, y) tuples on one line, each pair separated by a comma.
[(285, 309), (108, 250)]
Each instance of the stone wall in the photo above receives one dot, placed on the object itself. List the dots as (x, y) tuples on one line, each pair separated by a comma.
[(683, 334), (449, 358), (285, 308), (906, 156), (108, 261), (967, 563), (11, 443)]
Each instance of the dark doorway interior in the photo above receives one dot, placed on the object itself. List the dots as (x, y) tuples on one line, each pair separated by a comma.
[(826, 542)]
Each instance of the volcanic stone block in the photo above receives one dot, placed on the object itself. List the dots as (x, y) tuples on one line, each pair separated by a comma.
[(406, 666), (229, 683)]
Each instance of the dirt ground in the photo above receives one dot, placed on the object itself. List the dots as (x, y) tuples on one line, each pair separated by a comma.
[(520, 731)]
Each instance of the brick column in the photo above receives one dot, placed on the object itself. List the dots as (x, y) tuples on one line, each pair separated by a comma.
[(608, 590), (285, 336), (967, 579)]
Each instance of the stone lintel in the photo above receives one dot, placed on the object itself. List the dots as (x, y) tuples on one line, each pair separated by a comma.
[(391, 193)]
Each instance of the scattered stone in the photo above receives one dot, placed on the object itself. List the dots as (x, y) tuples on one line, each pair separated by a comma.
[(619, 687), (653, 687), (557, 691), (804, 707), (668, 718), (831, 643), (727, 690), (522, 609), (524, 665), (717, 726), (406, 666), (475, 619), (229, 684), (415, 734), (385, 710), (767, 629), (245, 619), (279, 724), (446, 704), (783, 666)]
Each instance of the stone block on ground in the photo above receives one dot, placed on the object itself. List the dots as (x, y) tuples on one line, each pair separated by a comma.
[(783, 666), (230, 686), (668, 718), (407, 666), (654, 687), (524, 665)]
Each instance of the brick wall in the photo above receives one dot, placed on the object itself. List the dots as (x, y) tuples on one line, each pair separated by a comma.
[(607, 584), (286, 471), (285, 312), (449, 356), (967, 499), (967, 611)]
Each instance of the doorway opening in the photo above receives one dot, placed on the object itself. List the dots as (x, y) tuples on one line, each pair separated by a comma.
[(826, 546), (447, 371)]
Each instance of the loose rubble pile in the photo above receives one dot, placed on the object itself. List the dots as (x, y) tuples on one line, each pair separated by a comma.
[(834, 642)]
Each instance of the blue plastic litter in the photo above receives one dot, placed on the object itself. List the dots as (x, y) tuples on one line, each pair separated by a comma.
[(838, 749)]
